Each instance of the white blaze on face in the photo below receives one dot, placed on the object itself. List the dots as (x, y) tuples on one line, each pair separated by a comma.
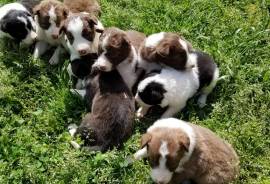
[(154, 39), (53, 28), (102, 61), (161, 174), (75, 27)]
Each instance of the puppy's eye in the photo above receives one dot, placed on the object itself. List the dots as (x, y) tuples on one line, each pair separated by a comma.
[(87, 35), (70, 37)]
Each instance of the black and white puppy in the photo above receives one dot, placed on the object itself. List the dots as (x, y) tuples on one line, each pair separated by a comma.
[(16, 22), (78, 69), (172, 88), (110, 122)]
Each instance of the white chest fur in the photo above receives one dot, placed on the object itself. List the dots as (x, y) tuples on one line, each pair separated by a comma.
[(127, 69)]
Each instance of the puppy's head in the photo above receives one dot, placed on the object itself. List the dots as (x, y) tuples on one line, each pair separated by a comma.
[(164, 147), (80, 31), (114, 47), (150, 92), (49, 15), (20, 26), (167, 48)]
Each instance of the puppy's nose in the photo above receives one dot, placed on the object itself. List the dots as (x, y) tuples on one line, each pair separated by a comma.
[(55, 36), (82, 52), (102, 68)]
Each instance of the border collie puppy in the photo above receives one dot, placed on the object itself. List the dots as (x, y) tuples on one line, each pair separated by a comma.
[(49, 16), (110, 122), (82, 32), (172, 88), (82, 28), (16, 22), (179, 151), (163, 48), (118, 49)]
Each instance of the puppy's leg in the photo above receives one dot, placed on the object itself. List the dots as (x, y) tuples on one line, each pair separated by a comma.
[(56, 56), (40, 48), (171, 111), (142, 111), (78, 92), (72, 128), (208, 89)]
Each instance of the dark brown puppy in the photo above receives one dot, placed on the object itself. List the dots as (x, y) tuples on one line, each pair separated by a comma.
[(165, 49), (110, 122)]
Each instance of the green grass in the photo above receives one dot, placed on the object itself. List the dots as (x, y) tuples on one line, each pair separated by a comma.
[(36, 105)]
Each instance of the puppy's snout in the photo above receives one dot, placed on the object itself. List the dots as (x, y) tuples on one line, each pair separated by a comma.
[(55, 36), (82, 52), (102, 68)]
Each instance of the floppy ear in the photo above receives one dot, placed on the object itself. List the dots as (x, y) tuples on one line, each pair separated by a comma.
[(164, 50), (142, 153), (184, 144), (146, 138), (3, 26), (65, 12), (36, 10)]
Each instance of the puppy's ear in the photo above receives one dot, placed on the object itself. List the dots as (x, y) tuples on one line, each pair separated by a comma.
[(65, 12), (36, 10), (184, 144), (146, 138), (164, 50), (119, 40)]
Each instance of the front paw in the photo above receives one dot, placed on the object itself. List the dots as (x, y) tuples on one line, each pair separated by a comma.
[(140, 114), (54, 61)]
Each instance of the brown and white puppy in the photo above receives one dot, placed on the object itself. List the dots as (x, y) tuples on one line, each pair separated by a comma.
[(165, 49), (110, 122), (118, 49), (178, 151), (82, 28), (49, 16)]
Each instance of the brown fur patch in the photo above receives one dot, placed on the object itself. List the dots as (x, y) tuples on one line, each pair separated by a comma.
[(118, 45), (169, 51), (90, 6), (42, 9)]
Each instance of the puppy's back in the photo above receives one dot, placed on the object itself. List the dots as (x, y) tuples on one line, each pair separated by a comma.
[(206, 67), (111, 120), (89, 6), (221, 157), (136, 38)]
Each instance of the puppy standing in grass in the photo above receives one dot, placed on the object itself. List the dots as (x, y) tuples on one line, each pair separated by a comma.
[(118, 49), (16, 22), (112, 105), (49, 17), (178, 151)]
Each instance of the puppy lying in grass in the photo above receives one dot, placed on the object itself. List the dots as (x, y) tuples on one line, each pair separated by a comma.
[(110, 121), (178, 151), (165, 49), (172, 88), (16, 22)]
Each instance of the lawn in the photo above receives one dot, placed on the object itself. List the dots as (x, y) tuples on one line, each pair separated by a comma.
[(36, 106)]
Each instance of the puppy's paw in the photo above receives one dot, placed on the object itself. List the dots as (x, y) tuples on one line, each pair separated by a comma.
[(202, 101), (72, 128), (54, 60), (75, 145), (140, 114)]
